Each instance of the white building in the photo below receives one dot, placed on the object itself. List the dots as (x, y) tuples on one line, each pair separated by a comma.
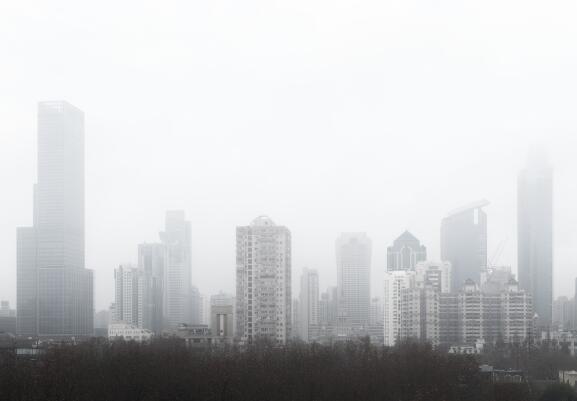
[(436, 274), (395, 282), (129, 296), (263, 281), (353, 252), (128, 332), (309, 305)]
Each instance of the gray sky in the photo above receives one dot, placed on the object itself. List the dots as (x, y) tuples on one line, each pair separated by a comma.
[(327, 115)]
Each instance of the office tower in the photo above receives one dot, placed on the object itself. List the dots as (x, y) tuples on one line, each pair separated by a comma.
[(222, 315), (436, 274), (535, 234), (177, 269), (151, 262), (309, 305), (376, 321), (464, 243), (395, 282), (328, 307), (263, 281), (353, 251), (405, 253), (130, 292), (55, 290), (563, 313)]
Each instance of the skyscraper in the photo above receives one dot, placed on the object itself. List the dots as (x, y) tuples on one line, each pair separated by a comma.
[(309, 305), (151, 262), (405, 253), (177, 269), (55, 291), (263, 281), (353, 251), (464, 243), (535, 235), (395, 282)]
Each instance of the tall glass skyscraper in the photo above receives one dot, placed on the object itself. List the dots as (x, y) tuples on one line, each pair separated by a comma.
[(535, 235), (353, 252), (464, 243), (55, 291)]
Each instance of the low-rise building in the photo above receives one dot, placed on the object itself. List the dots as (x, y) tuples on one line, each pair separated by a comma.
[(128, 332)]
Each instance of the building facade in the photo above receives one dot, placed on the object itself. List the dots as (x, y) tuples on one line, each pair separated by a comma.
[(54, 289), (464, 243), (405, 252), (353, 252), (130, 293), (263, 281), (535, 235), (177, 269), (395, 283), (309, 305)]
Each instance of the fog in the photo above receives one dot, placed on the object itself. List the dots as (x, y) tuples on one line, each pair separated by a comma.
[(327, 116)]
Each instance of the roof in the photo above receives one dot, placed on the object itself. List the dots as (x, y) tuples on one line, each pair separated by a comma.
[(474, 205)]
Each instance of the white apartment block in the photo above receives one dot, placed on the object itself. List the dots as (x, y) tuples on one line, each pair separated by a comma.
[(263, 281), (395, 282)]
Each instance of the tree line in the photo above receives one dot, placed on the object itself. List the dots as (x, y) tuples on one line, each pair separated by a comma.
[(167, 370)]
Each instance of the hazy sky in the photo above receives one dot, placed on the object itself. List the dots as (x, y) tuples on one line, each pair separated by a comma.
[(326, 115)]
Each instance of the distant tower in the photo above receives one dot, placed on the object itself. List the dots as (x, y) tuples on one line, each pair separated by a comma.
[(177, 265), (353, 282), (54, 289), (151, 262), (464, 243), (535, 235), (263, 281), (309, 304), (405, 253)]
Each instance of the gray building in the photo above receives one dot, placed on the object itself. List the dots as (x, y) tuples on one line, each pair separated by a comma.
[(151, 262), (177, 269), (222, 315), (405, 252), (309, 305), (353, 251), (263, 281), (464, 243), (54, 289), (535, 235)]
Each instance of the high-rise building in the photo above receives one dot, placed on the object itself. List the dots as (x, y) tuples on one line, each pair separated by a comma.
[(535, 234), (309, 305), (263, 281), (196, 306), (328, 307), (420, 314), (130, 293), (151, 262), (177, 269), (395, 282), (55, 290), (405, 253), (464, 243), (436, 274), (353, 251)]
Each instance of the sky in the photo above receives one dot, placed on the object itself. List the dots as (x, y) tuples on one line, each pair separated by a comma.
[(328, 116)]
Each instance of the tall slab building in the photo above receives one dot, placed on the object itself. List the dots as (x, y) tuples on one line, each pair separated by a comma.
[(309, 305), (353, 252), (263, 281), (535, 235), (177, 269), (54, 289), (464, 243)]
